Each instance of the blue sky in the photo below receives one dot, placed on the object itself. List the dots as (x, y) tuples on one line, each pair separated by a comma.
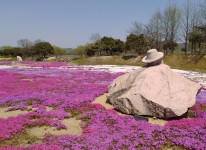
[(69, 23)]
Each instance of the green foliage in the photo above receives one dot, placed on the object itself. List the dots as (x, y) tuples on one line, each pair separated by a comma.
[(13, 52), (109, 46), (170, 46), (197, 38), (137, 43), (118, 46), (59, 51), (80, 50), (104, 46), (43, 49), (87, 49), (90, 52), (90, 49)]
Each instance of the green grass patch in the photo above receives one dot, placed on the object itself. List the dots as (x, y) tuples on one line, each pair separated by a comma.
[(177, 61), (187, 62)]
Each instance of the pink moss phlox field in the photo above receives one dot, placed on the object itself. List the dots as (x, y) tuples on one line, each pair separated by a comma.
[(5, 63), (187, 123), (107, 130), (51, 92)]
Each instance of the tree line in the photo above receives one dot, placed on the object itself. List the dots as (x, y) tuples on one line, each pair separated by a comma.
[(165, 29), (38, 48)]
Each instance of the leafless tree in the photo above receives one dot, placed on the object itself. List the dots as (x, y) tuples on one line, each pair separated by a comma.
[(137, 28), (95, 37), (196, 20), (37, 41), (203, 12), (26, 45), (154, 29), (186, 23), (171, 22)]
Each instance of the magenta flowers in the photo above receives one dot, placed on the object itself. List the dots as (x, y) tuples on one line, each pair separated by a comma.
[(68, 92)]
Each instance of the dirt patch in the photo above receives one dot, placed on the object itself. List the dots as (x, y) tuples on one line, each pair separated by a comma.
[(155, 121), (50, 58), (4, 114), (37, 134), (27, 79), (102, 100), (49, 108), (72, 124)]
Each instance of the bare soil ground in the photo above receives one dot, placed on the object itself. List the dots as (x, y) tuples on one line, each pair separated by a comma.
[(73, 124)]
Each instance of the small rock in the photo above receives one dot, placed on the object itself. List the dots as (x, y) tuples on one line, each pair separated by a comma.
[(19, 59)]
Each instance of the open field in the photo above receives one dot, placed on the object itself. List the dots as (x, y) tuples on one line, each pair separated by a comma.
[(51, 105), (176, 61), (184, 62)]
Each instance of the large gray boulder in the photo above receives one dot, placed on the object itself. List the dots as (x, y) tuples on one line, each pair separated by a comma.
[(153, 91)]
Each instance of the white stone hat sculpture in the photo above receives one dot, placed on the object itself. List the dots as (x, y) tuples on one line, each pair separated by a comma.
[(152, 56)]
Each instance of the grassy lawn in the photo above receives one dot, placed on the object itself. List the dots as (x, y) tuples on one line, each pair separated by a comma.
[(184, 62)]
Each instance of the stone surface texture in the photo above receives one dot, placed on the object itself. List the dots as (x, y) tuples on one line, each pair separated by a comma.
[(153, 91)]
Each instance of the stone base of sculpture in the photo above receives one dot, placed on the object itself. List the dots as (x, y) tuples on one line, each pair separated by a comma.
[(153, 91)]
